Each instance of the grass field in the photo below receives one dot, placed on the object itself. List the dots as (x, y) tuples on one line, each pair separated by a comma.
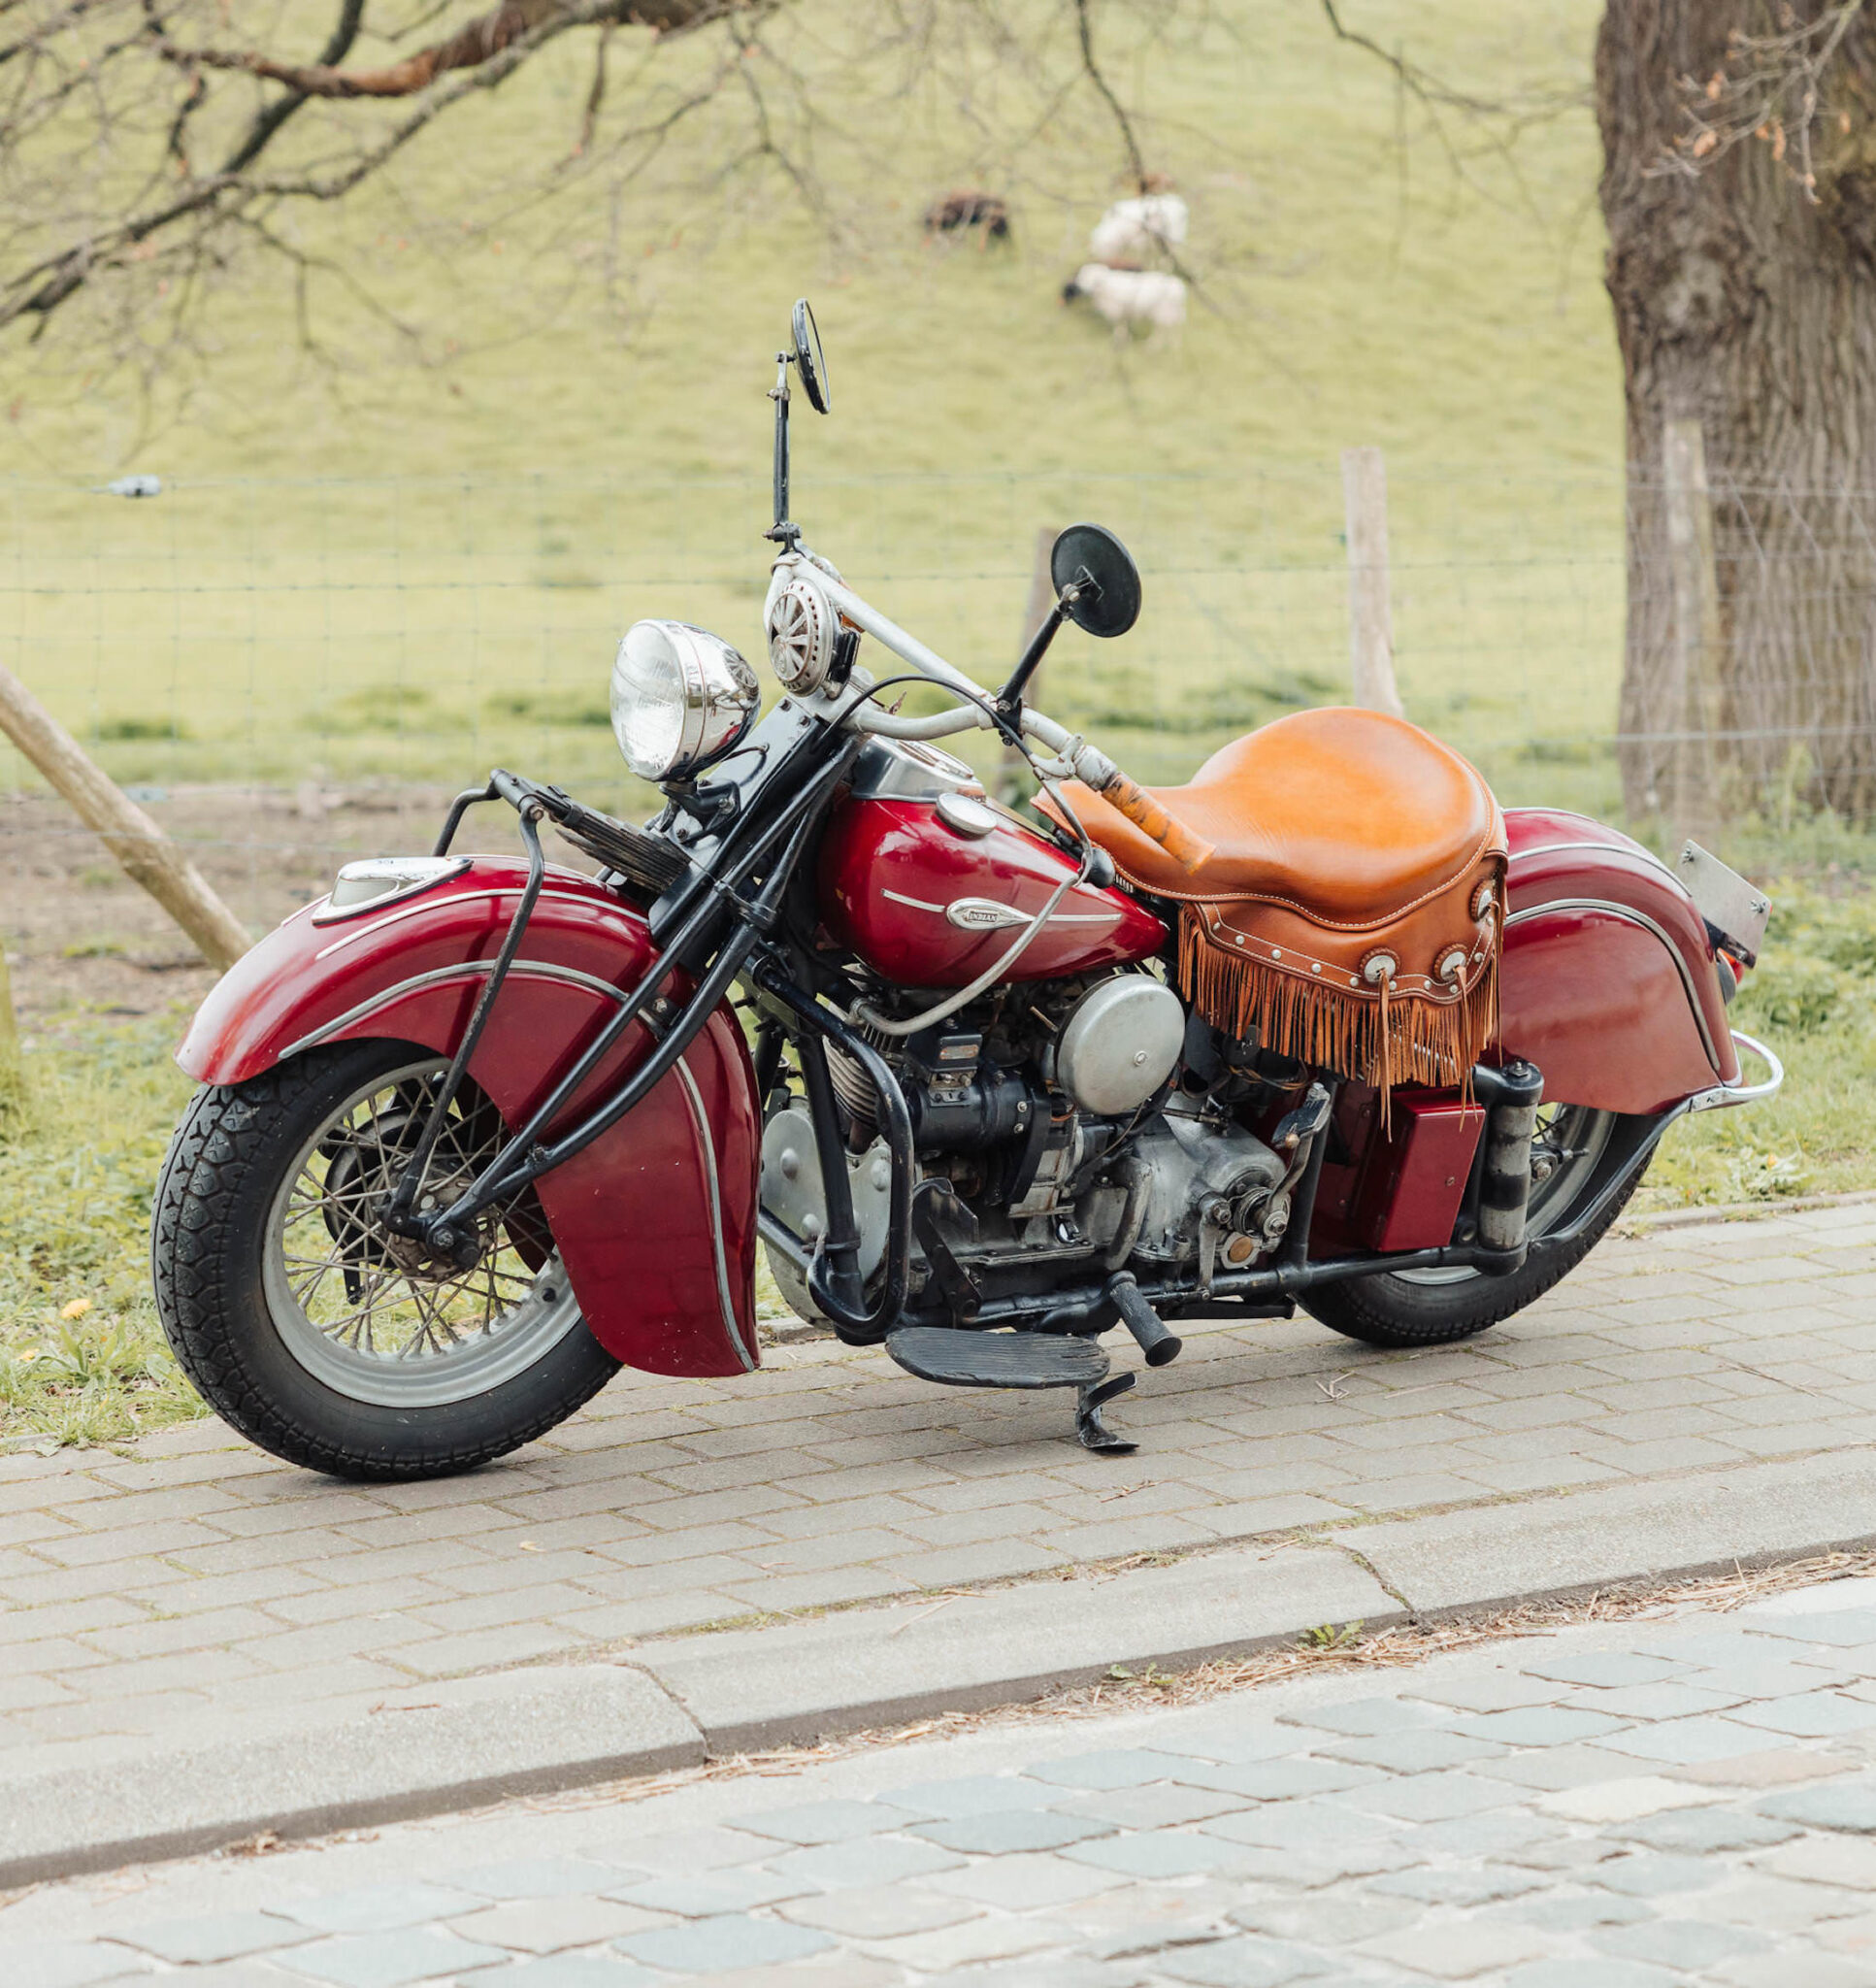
[(402, 570)]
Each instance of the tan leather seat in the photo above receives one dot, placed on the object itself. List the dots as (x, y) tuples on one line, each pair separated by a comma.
[(1349, 816)]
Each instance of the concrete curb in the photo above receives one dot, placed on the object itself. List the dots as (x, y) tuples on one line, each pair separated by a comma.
[(807, 1681), (423, 1751), (1645, 1223), (1558, 1547), (95, 1805)]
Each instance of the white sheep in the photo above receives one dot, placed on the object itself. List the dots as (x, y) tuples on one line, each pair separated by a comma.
[(1132, 230), (1127, 297)]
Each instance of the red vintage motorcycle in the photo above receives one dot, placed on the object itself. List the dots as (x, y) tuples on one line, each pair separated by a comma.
[(1323, 1026)]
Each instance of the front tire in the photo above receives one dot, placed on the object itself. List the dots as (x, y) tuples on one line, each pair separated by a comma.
[(1433, 1307), (316, 1334)]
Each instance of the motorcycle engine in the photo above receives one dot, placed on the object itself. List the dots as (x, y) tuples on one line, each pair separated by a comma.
[(1082, 1125)]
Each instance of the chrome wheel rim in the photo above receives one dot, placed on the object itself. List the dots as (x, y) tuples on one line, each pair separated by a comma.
[(380, 1330), (1570, 1140)]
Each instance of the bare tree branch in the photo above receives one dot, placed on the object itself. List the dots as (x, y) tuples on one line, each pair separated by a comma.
[(228, 194), (1496, 121), (1084, 30), (469, 48), (1416, 80), (596, 92), (1769, 89), (351, 16), (151, 149)]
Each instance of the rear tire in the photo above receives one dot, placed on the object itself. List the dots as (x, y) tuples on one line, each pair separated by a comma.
[(291, 1162), (1435, 1307)]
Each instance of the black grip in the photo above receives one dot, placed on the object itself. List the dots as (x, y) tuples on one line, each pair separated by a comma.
[(1157, 1339), (511, 787)]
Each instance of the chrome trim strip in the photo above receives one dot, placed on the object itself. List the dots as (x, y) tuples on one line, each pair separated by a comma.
[(438, 977), (1593, 850), (414, 909), (723, 1297), (1634, 917), (1015, 918), (543, 969), (1720, 1096)]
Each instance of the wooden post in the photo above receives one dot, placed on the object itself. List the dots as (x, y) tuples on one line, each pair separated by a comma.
[(1042, 589), (148, 855), (1014, 786), (1371, 617), (1691, 798)]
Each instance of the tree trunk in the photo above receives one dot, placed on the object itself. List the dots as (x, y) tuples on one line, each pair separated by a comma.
[(1744, 306)]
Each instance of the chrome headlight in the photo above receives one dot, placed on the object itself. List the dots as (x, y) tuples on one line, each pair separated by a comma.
[(680, 697)]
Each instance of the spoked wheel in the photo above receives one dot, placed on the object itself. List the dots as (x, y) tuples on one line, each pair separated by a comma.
[(314, 1330), (1429, 1308)]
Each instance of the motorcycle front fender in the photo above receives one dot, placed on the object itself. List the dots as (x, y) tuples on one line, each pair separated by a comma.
[(655, 1220), (1608, 983)]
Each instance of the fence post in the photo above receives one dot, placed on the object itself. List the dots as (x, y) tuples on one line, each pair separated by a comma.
[(1371, 617), (1690, 803), (148, 855), (1041, 598)]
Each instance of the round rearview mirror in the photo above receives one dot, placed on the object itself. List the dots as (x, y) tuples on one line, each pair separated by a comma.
[(808, 358), (1106, 584)]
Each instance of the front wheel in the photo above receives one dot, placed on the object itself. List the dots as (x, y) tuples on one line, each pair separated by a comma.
[(317, 1332), (1431, 1307)]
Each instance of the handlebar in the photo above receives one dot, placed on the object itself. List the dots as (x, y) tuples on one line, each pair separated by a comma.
[(961, 718), (1190, 851), (1186, 849)]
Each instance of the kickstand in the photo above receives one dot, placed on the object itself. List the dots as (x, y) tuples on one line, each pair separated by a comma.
[(1094, 1432)]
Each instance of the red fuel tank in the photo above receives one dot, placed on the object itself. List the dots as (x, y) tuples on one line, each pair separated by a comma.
[(927, 905)]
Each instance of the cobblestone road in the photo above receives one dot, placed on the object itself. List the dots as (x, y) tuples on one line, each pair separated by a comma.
[(201, 1576), (1689, 1798)]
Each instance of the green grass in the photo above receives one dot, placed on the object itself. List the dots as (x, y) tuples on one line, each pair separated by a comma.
[(82, 1355), (1813, 1000), (394, 570)]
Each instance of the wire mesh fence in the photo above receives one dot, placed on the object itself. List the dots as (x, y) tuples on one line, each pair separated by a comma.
[(280, 663), (1752, 639)]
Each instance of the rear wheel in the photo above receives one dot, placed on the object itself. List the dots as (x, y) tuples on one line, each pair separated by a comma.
[(317, 1332), (1431, 1308)]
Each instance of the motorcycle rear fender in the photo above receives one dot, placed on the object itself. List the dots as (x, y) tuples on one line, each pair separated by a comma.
[(1609, 982), (655, 1220)]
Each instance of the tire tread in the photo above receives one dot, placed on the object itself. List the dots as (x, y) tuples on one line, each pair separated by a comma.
[(1373, 1310), (223, 1138)]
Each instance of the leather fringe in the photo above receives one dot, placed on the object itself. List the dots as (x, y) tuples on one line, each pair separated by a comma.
[(1375, 1037)]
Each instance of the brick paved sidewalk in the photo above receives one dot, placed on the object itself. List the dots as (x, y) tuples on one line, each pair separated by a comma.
[(1635, 1805), (201, 1576)]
